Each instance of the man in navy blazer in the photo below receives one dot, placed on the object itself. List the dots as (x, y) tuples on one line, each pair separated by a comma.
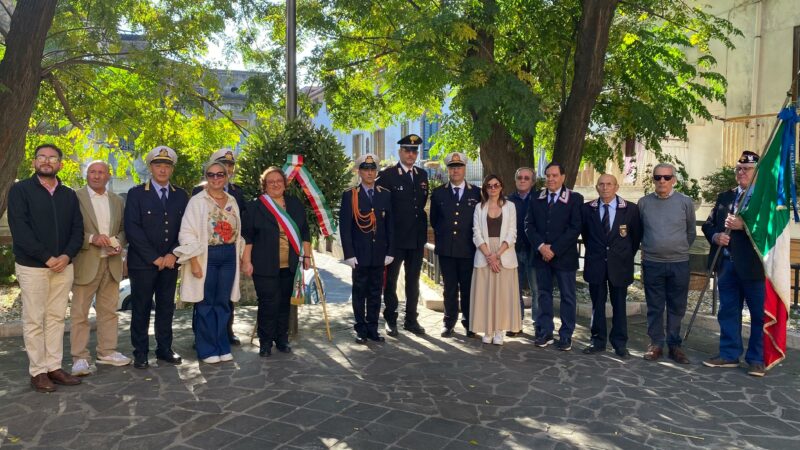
[(153, 213), (611, 235), (367, 233), (552, 225)]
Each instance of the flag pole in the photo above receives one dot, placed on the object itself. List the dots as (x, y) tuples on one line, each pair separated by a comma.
[(321, 294), (727, 232)]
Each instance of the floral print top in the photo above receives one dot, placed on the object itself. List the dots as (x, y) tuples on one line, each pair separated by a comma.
[(223, 223)]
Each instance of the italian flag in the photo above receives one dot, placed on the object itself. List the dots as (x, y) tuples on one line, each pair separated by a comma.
[(767, 217)]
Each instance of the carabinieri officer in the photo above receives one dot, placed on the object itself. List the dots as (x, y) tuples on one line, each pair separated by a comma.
[(366, 231), (452, 206), (153, 213), (408, 186)]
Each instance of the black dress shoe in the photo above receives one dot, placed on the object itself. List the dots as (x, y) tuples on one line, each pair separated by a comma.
[(361, 340), (513, 333), (471, 334), (264, 352), (622, 353), (285, 349), (234, 340), (414, 328), (140, 363), (447, 332), (391, 330), (592, 349), (170, 357), (378, 338)]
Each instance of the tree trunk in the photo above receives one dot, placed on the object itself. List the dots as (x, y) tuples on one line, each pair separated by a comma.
[(501, 156), (590, 53), (20, 77)]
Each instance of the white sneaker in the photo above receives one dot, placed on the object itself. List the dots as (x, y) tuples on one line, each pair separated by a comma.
[(498, 338), (80, 368), (487, 338), (226, 357), (114, 359), (211, 360)]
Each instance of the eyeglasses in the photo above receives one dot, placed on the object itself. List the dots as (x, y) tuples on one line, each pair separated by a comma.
[(50, 159), (493, 186), (275, 182), (663, 177), (213, 175), (743, 169), (523, 177)]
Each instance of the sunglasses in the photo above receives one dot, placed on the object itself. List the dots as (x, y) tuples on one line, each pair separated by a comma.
[(213, 175), (493, 186), (523, 177), (663, 177), (743, 169)]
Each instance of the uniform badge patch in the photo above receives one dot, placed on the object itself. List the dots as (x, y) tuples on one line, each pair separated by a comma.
[(623, 230)]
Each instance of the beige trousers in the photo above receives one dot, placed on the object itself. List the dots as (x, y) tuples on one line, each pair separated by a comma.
[(107, 291), (44, 304)]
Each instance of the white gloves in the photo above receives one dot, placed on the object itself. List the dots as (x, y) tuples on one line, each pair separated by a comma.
[(352, 262), (388, 260)]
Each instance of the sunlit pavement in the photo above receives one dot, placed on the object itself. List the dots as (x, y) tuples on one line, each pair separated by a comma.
[(419, 392)]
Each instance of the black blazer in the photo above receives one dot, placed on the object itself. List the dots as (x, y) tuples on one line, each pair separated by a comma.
[(152, 230), (370, 248), (610, 253), (261, 229), (558, 226), (236, 192), (452, 221), (408, 204), (746, 262)]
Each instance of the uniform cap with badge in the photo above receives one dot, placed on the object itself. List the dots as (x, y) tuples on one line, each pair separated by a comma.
[(367, 161), (224, 155), (455, 159), (161, 154), (748, 157), (410, 143)]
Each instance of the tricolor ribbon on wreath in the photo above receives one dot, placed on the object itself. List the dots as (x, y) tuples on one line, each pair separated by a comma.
[(294, 169)]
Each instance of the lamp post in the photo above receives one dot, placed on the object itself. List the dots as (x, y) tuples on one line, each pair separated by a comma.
[(291, 100)]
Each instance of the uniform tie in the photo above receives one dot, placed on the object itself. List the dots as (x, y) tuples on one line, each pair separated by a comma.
[(164, 197), (606, 219), (455, 193), (369, 194), (552, 199)]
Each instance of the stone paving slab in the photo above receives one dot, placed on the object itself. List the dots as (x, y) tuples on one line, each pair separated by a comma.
[(411, 392)]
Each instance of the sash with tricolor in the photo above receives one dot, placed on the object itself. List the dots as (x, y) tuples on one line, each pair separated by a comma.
[(292, 232), (294, 169)]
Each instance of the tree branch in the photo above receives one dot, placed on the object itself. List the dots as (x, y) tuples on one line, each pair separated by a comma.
[(362, 61), (49, 36), (660, 16), (411, 2), (50, 69), (59, 90)]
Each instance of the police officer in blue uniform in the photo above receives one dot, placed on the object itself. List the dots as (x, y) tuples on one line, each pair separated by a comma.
[(153, 213), (611, 232), (408, 186), (226, 156), (452, 206), (552, 226), (740, 275), (366, 231)]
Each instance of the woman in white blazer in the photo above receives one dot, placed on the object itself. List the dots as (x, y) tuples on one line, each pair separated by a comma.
[(210, 247), (494, 305)]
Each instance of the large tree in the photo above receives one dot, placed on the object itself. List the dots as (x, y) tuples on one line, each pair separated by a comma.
[(519, 74)]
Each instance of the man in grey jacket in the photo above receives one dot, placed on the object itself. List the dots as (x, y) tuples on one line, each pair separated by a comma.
[(668, 230)]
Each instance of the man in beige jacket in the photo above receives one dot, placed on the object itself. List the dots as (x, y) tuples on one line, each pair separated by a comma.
[(98, 272)]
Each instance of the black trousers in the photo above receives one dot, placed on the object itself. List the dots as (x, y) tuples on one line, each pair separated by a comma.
[(411, 259), (274, 295), (146, 284), (619, 322), (366, 298), (457, 276)]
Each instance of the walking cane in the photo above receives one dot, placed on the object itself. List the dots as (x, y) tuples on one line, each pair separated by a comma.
[(321, 294)]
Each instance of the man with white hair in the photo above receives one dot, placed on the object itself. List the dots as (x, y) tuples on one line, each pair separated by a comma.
[(98, 271)]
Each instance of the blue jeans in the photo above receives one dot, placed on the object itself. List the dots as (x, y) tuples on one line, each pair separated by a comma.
[(567, 310), (527, 271), (733, 292), (211, 327), (666, 285)]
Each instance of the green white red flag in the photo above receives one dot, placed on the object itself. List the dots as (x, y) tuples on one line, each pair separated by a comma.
[(767, 216)]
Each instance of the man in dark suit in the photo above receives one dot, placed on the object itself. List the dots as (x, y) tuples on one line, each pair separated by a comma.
[(226, 156), (452, 206), (153, 213), (611, 234), (408, 186), (366, 231), (552, 226), (740, 275)]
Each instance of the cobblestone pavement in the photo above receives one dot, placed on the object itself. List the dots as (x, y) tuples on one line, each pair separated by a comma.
[(410, 392)]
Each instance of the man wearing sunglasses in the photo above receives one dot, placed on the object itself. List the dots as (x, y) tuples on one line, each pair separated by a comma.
[(153, 213), (524, 179), (47, 232), (668, 230), (226, 157), (408, 186), (740, 274)]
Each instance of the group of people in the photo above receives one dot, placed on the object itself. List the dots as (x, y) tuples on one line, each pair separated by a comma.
[(490, 246), (65, 240)]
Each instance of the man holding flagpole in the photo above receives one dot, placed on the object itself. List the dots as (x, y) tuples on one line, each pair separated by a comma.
[(740, 275)]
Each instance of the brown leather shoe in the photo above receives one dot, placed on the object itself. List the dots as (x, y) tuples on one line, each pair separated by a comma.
[(676, 354), (41, 383), (653, 353), (58, 376)]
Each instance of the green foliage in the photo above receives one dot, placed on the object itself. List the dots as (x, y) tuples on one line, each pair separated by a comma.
[(7, 271), (718, 182), (323, 156)]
